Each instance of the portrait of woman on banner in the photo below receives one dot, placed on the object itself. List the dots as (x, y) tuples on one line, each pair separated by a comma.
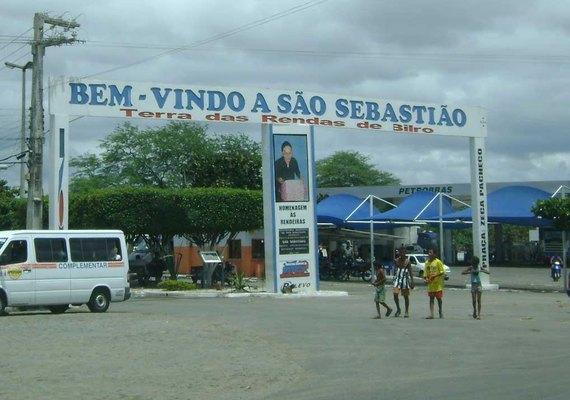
[(290, 172)]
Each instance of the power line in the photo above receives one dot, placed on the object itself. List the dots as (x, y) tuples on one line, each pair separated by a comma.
[(222, 35), (436, 57), (15, 39)]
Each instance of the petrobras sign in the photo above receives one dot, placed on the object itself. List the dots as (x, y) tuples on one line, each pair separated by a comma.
[(106, 98)]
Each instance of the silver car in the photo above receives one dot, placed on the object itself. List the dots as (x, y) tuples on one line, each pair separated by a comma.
[(418, 262)]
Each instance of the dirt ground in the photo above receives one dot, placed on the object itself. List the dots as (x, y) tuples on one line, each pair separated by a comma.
[(285, 348)]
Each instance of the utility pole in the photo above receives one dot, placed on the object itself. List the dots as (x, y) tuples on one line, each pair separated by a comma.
[(24, 67), (34, 214)]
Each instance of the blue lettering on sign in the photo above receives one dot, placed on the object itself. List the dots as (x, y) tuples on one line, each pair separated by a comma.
[(193, 98), (159, 97), (315, 106), (297, 103), (390, 114), (419, 110), (236, 101), (356, 109), (284, 103), (210, 100), (83, 265), (372, 114), (341, 106), (99, 94), (260, 104), (444, 118), (216, 101), (459, 117), (406, 113)]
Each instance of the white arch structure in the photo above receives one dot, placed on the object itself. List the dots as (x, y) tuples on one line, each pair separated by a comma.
[(280, 108)]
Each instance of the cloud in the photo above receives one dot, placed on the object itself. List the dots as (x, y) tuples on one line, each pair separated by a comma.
[(505, 56)]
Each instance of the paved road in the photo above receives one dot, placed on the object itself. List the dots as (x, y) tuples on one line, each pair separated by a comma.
[(513, 278), (293, 348)]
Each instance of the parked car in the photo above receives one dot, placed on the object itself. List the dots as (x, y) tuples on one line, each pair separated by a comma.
[(418, 264)]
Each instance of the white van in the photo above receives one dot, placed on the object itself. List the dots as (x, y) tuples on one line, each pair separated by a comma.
[(54, 269)]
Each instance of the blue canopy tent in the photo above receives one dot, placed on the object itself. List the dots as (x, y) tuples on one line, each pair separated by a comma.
[(508, 205), (415, 209), (419, 206), (339, 211), (336, 209)]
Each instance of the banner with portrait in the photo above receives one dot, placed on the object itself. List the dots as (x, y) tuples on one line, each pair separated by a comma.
[(290, 197)]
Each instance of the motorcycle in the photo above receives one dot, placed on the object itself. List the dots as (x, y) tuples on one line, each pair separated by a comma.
[(225, 272), (325, 269), (345, 268), (361, 269), (555, 270)]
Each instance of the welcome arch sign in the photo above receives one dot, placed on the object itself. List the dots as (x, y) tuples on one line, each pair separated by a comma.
[(288, 119)]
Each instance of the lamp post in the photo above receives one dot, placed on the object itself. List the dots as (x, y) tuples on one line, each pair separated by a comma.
[(24, 67)]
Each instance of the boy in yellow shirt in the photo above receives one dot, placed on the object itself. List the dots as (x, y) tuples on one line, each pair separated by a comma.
[(433, 277)]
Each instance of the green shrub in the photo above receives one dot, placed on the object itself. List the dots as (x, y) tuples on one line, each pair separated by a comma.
[(239, 284), (171, 285)]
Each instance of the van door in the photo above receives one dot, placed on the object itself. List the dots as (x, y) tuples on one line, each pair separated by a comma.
[(18, 275), (52, 271)]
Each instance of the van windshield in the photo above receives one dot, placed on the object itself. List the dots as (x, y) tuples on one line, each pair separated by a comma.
[(141, 247), (2, 241)]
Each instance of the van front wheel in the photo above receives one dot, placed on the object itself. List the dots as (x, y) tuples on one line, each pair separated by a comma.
[(99, 301)]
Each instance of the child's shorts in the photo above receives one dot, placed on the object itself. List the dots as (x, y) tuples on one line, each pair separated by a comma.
[(380, 296), (437, 295), (476, 287), (405, 292)]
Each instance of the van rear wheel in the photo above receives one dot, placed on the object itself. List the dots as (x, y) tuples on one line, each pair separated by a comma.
[(59, 309), (99, 301), (2, 305)]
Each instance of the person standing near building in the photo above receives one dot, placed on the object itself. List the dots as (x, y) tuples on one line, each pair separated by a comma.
[(433, 277), (403, 282), (476, 286)]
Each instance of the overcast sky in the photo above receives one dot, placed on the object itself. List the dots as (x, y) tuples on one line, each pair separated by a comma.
[(510, 57)]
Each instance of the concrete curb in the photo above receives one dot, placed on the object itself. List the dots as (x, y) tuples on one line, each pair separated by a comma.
[(207, 293)]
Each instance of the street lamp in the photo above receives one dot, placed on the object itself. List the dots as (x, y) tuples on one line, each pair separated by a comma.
[(24, 67)]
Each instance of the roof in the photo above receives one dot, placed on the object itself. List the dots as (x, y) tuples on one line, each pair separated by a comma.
[(420, 205), (338, 208), (509, 205)]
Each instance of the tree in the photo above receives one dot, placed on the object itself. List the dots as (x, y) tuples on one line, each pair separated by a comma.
[(178, 155), (556, 209), (7, 199), (205, 216), (89, 174), (235, 163), (350, 168)]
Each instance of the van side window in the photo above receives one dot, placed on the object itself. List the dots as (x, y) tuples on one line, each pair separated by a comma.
[(95, 249), (15, 252), (50, 249)]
